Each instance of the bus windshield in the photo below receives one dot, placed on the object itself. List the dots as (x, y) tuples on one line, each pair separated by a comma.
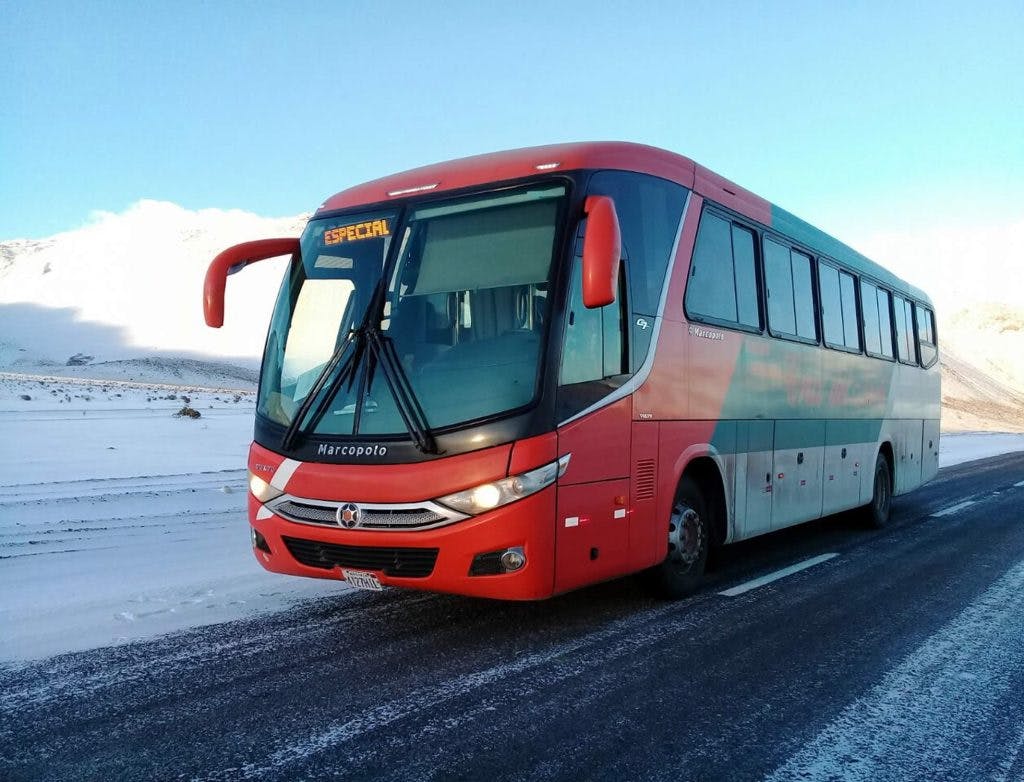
[(464, 307)]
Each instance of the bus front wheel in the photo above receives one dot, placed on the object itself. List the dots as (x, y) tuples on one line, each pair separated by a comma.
[(689, 538), (876, 512)]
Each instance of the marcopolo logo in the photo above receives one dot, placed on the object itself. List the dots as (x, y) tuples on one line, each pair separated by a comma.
[(347, 515), (703, 333), (363, 449)]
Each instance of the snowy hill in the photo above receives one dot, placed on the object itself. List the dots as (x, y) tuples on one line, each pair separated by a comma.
[(991, 336), (122, 296), (983, 368)]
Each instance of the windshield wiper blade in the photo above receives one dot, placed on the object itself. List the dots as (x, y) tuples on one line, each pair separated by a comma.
[(379, 351), (348, 368), (356, 336), (382, 349)]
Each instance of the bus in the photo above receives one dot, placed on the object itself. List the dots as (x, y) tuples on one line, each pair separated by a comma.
[(516, 374)]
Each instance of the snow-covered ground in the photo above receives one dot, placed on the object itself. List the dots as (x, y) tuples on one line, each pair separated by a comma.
[(120, 521), (959, 447)]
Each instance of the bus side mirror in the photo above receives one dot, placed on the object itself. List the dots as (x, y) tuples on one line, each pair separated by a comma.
[(602, 249), (232, 260)]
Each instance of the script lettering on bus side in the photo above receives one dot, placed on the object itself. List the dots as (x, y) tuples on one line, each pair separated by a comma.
[(703, 333), (371, 229)]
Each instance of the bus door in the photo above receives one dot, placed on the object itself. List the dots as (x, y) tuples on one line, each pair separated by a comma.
[(592, 534), (593, 519)]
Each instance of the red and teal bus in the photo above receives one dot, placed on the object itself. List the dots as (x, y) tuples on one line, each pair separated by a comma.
[(517, 374)]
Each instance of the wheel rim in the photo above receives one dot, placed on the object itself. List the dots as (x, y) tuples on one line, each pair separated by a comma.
[(685, 535)]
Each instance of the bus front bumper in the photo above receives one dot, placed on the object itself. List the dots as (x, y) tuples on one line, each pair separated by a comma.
[(314, 550)]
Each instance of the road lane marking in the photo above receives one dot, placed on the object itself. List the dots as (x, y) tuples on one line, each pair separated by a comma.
[(786, 571), (954, 508), (1018, 485)]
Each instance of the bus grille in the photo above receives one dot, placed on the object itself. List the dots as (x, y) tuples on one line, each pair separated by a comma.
[(370, 518), (400, 562)]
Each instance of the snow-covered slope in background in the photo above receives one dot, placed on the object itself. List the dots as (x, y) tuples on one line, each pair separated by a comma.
[(991, 337), (983, 368), (129, 286)]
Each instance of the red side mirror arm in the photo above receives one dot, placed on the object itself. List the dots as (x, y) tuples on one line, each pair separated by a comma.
[(234, 259)]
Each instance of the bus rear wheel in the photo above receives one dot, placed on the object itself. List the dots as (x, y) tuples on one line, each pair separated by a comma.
[(877, 512), (689, 538)]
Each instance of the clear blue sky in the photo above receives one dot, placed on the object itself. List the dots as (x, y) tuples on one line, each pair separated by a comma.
[(270, 107)]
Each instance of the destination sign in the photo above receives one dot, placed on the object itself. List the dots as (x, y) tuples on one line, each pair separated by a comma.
[(371, 229)]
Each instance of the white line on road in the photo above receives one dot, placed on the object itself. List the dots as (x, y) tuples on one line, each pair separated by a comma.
[(1018, 485), (786, 571), (954, 508)]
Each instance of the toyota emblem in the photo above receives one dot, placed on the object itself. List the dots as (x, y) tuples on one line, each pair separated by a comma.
[(348, 515)]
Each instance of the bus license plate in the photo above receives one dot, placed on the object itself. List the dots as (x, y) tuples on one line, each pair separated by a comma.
[(362, 580)]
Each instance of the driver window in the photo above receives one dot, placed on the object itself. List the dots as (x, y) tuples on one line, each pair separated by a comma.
[(594, 355)]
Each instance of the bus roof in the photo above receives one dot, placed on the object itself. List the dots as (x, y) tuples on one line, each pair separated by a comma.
[(519, 163)]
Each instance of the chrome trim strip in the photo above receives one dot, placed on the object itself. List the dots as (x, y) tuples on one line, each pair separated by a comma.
[(640, 377), (450, 516)]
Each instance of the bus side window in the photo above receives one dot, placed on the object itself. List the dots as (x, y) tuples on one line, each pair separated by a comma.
[(595, 351), (904, 330), (649, 211), (723, 276), (711, 292), (839, 309), (778, 273), (790, 292), (926, 335), (869, 317), (885, 322)]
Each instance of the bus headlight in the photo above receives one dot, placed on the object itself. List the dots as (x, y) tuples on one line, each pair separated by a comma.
[(488, 496), (262, 490)]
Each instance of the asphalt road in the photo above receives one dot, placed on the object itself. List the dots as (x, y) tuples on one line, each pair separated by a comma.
[(902, 657)]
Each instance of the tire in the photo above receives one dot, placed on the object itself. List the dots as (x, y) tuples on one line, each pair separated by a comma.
[(877, 512), (689, 538)]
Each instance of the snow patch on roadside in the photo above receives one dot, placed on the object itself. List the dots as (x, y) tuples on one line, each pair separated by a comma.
[(968, 446), (944, 696)]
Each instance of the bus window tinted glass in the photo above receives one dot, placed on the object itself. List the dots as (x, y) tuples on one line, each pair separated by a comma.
[(779, 278), (831, 305), (926, 336), (885, 323), (583, 354), (746, 277), (803, 297), (908, 313), (649, 209), (903, 337), (869, 304), (712, 288), (849, 311)]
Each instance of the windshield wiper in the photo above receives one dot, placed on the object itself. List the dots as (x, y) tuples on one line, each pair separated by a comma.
[(383, 354), (379, 350), (356, 337), (347, 371)]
